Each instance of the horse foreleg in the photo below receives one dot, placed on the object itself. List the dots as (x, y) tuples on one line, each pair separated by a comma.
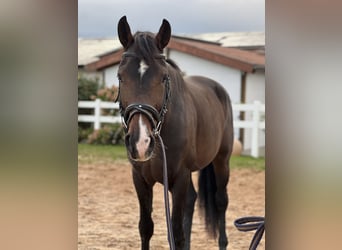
[(188, 215), (179, 194), (145, 195)]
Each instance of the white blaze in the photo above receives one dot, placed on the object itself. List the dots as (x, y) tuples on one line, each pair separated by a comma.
[(143, 68), (144, 139)]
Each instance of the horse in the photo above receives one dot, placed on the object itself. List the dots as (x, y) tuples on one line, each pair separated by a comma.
[(193, 115)]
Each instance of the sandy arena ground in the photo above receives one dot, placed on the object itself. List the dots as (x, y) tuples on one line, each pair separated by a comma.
[(108, 211)]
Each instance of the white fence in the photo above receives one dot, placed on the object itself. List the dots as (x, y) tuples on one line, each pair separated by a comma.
[(257, 123), (97, 118)]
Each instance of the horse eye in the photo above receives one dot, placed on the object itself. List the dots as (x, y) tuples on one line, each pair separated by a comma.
[(119, 78)]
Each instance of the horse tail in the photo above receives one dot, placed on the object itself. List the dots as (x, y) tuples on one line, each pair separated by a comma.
[(206, 194)]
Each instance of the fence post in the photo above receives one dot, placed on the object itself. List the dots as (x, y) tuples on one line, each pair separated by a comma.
[(255, 129), (97, 114)]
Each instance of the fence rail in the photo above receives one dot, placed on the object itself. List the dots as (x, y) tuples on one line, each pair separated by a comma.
[(256, 123)]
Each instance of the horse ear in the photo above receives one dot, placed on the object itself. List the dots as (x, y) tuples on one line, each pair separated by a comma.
[(124, 32), (164, 35)]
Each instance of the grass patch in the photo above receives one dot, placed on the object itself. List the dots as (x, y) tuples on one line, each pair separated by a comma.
[(247, 162), (89, 154)]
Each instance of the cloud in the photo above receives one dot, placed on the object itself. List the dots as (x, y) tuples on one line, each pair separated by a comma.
[(99, 18)]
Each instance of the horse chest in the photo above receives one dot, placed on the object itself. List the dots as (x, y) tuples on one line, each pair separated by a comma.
[(152, 172)]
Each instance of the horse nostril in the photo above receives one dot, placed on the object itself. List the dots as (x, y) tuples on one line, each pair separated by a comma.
[(129, 146)]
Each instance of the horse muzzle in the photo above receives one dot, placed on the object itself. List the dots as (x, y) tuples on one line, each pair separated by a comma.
[(139, 140)]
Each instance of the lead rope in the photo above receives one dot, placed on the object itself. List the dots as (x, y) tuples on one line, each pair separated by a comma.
[(166, 197), (246, 224)]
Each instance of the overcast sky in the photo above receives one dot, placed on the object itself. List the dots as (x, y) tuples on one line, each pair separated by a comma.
[(99, 18)]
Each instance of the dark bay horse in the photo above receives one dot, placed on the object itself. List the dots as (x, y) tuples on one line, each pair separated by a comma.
[(193, 115)]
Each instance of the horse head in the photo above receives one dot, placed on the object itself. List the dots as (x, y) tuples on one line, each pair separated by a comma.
[(144, 87)]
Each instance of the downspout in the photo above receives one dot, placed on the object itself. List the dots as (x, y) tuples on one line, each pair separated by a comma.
[(103, 77), (242, 100)]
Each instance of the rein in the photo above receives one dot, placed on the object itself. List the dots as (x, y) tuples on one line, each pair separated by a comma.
[(166, 198), (246, 224), (157, 119)]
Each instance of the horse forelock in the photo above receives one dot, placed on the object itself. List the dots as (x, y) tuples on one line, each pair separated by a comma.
[(145, 46)]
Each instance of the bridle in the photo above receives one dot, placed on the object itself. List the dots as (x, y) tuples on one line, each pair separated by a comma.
[(155, 117)]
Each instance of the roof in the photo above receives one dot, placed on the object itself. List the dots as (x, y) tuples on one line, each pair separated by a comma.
[(106, 60), (96, 54), (233, 39), (90, 49), (247, 61)]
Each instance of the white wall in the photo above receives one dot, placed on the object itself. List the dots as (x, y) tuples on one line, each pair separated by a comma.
[(110, 76), (255, 87), (229, 78), (96, 76), (255, 91)]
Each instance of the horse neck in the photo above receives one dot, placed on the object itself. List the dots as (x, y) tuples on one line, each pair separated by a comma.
[(178, 92)]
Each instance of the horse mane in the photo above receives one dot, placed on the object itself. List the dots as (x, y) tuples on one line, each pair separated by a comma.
[(173, 64)]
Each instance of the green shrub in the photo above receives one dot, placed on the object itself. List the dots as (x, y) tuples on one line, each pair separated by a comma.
[(108, 134), (87, 88), (83, 133), (107, 94)]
